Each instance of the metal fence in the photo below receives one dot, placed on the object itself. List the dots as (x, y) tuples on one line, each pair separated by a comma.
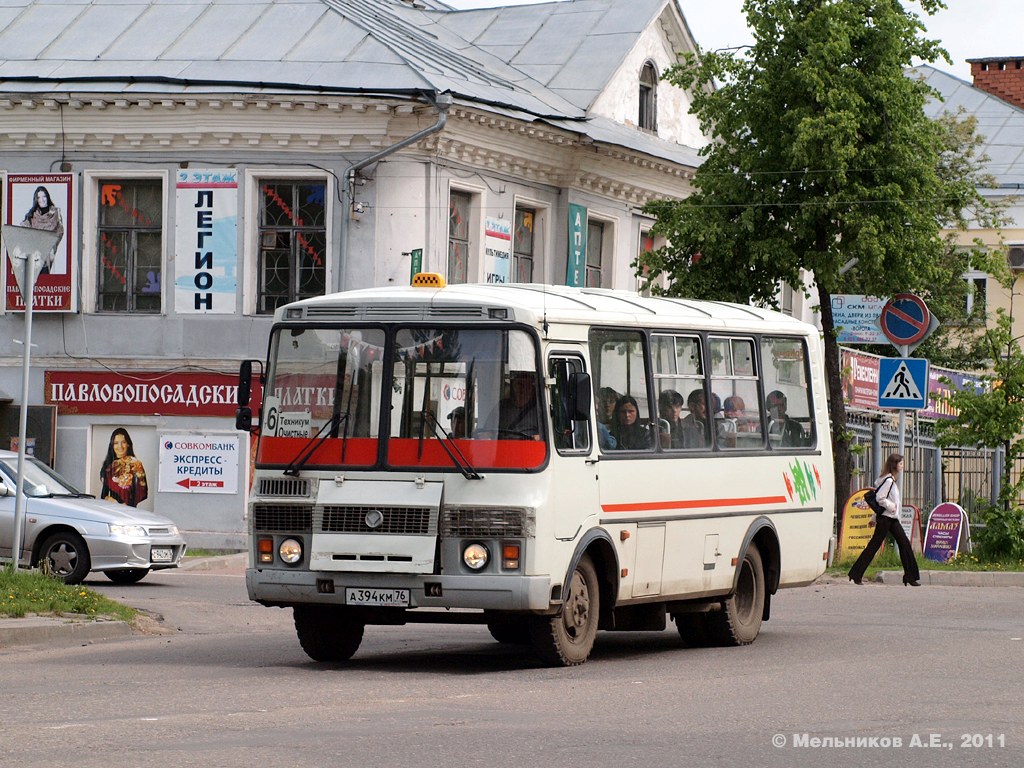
[(932, 475)]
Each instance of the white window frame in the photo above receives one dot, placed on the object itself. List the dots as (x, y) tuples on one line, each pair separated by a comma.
[(90, 232), (249, 221)]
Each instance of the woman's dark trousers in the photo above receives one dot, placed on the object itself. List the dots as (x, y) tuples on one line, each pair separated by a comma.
[(887, 526)]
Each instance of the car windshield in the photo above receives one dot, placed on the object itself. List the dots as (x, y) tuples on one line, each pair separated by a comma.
[(40, 480)]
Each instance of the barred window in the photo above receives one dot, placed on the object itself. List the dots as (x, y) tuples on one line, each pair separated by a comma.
[(130, 245), (292, 242)]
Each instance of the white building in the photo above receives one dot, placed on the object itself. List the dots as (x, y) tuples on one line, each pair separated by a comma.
[(214, 159)]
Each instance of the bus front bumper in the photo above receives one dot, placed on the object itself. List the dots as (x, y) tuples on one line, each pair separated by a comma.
[(275, 586)]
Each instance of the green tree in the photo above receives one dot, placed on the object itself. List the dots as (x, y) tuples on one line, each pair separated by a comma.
[(822, 158), (991, 415)]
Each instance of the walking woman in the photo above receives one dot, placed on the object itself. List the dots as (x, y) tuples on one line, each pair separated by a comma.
[(887, 491)]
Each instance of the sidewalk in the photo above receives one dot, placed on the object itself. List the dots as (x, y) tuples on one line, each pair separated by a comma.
[(73, 629)]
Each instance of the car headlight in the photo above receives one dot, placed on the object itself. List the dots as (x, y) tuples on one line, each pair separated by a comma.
[(290, 551), (475, 556), (134, 531)]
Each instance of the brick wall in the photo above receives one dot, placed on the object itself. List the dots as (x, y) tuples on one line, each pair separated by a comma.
[(1002, 77)]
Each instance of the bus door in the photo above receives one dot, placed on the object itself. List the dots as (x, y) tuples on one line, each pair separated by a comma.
[(573, 490)]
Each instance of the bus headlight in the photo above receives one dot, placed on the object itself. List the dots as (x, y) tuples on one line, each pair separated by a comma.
[(290, 551), (475, 556)]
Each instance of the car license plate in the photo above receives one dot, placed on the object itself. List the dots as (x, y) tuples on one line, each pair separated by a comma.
[(385, 597), (161, 554)]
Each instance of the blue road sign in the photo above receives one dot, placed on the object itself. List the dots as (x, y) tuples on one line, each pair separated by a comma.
[(905, 319), (902, 382)]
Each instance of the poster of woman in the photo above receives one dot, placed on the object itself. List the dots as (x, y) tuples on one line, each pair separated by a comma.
[(47, 202), (124, 464)]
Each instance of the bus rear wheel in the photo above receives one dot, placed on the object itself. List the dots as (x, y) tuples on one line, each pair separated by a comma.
[(739, 621), (326, 633), (567, 639)]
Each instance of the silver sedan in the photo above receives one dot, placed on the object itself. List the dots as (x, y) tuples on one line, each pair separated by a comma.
[(71, 533)]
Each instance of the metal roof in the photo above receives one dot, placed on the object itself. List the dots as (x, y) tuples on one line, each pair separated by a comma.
[(537, 62), (1000, 123)]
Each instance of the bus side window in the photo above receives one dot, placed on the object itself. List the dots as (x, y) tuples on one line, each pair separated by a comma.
[(788, 406), (570, 435)]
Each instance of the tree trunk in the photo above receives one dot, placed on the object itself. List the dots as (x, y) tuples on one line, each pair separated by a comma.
[(836, 406)]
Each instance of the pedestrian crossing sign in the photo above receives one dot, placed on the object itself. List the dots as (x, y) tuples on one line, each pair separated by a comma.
[(902, 382)]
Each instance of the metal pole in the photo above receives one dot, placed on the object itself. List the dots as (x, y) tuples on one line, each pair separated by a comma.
[(19, 493)]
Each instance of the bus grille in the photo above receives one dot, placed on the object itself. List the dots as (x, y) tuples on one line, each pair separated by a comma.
[(283, 486), (489, 523), (396, 520), (282, 517)]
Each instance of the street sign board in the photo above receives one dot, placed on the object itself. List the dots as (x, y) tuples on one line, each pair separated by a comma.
[(905, 320), (902, 382), (855, 318)]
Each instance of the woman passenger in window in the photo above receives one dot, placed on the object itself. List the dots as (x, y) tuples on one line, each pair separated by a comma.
[(629, 433), (45, 215), (122, 476)]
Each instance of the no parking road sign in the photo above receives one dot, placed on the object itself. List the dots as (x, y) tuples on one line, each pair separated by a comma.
[(902, 382), (906, 321)]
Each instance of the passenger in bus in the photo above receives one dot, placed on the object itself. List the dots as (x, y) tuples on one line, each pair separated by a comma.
[(670, 409), (605, 401), (782, 429), (629, 433), (458, 420), (518, 414), (695, 425), (725, 427)]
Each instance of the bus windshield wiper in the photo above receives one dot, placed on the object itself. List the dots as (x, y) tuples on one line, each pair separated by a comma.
[(335, 422), (452, 449)]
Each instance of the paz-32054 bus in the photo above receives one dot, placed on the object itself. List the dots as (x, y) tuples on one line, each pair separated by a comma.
[(548, 461)]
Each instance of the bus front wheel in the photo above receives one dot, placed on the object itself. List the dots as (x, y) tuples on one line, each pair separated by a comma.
[(326, 633), (567, 639), (739, 621)]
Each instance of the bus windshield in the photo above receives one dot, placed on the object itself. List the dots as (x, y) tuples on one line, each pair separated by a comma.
[(402, 397)]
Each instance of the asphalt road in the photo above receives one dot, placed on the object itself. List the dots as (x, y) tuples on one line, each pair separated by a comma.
[(841, 675)]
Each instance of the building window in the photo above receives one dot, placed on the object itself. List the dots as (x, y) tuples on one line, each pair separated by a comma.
[(595, 246), (459, 206), (130, 245), (975, 305), (292, 242), (648, 98), (523, 245)]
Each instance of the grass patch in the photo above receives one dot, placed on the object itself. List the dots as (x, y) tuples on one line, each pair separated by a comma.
[(211, 552), (889, 560), (32, 592)]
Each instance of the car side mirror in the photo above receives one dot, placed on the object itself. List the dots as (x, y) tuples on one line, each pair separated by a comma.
[(244, 383), (5, 490)]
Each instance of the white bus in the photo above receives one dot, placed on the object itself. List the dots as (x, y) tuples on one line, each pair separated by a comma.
[(548, 461)]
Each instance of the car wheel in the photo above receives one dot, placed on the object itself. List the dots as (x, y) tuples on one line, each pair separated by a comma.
[(127, 575), (65, 555)]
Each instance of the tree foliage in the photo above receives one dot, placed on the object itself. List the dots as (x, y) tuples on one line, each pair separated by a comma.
[(822, 158)]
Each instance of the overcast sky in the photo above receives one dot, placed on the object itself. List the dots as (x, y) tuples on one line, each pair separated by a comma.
[(968, 29)]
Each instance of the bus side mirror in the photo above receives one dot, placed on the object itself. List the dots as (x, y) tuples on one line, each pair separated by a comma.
[(244, 383), (579, 396), (243, 419)]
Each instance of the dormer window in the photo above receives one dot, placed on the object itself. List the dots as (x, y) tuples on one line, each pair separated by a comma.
[(648, 119)]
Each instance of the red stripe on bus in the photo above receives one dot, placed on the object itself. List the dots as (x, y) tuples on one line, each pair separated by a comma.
[(650, 506)]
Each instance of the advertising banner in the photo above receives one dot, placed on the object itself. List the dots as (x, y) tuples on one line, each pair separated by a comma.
[(206, 241), (577, 256), (199, 463), (947, 525), (856, 532), (497, 250), (44, 201), (141, 393), (856, 319)]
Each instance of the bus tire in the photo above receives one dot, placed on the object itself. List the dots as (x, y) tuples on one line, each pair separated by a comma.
[(739, 621), (326, 633), (693, 629), (511, 630), (567, 639)]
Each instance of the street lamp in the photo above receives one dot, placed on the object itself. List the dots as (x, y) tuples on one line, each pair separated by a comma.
[(25, 247)]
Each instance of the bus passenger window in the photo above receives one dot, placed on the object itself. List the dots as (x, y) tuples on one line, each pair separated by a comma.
[(787, 402)]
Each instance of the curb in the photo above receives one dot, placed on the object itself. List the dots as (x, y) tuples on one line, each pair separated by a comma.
[(59, 630), (957, 578)]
